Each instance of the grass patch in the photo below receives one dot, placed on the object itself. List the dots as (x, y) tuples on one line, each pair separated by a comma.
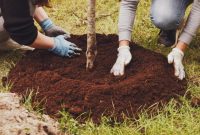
[(30, 104), (171, 120)]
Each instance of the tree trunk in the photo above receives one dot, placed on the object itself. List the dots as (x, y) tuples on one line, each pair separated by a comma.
[(91, 36)]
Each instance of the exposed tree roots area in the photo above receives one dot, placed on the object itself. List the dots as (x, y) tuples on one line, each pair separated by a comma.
[(63, 83)]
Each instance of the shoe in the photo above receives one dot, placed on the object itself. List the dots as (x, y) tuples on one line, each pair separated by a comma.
[(167, 38)]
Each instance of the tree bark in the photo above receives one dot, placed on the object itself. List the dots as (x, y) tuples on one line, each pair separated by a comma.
[(91, 35)]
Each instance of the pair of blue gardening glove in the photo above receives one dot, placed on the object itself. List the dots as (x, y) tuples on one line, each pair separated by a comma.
[(62, 47)]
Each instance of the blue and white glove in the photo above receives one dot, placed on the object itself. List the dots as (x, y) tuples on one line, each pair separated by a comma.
[(52, 30), (64, 48)]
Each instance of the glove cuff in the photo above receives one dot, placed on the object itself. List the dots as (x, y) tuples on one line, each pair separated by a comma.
[(179, 51), (124, 47), (46, 24)]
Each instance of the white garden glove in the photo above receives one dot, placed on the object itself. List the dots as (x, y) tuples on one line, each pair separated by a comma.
[(175, 57), (124, 58)]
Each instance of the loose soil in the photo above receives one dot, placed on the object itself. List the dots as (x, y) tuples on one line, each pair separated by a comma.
[(63, 83)]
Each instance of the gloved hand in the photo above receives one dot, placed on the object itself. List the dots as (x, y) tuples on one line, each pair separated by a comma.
[(52, 30), (62, 47), (124, 58), (176, 57)]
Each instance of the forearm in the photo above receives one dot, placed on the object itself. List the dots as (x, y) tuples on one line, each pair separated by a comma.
[(126, 19), (43, 42), (40, 15), (192, 24)]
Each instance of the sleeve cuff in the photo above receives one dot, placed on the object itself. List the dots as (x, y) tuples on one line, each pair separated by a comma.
[(46, 24), (126, 35), (186, 38)]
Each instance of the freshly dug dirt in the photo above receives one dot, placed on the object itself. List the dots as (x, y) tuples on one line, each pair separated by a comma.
[(64, 83)]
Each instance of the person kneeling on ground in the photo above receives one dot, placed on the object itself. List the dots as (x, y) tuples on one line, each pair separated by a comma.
[(17, 28), (166, 15)]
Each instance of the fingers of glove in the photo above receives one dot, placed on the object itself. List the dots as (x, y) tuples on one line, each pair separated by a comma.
[(67, 53), (67, 35), (56, 33), (51, 33), (61, 53), (69, 44), (73, 45), (177, 69), (113, 69), (76, 49), (170, 58), (58, 30), (73, 53), (182, 74), (77, 54), (121, 73), (118, 69), (128, 59), (181, 71)]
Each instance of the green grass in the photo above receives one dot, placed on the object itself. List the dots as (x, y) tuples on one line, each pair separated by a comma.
[(170, 120), (30, 104)]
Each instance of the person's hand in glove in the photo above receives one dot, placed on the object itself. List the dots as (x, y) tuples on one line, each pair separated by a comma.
[(123, 59), (64, 48), (175, 57), (51, 30)]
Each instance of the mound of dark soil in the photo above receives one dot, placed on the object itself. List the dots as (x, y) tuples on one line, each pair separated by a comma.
[(65, 84)]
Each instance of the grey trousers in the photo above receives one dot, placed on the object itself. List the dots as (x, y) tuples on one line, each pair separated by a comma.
[(168, 14)]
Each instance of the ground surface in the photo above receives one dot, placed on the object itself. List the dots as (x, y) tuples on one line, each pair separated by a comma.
[(16, 120), (184, 120), (64, 83)]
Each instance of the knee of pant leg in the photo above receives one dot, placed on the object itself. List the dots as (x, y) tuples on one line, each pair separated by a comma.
[(165, 21)]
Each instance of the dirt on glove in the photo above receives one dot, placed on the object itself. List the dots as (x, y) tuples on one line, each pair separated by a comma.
[(63, 83)]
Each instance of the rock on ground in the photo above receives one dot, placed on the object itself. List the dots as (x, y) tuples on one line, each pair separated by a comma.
[(16, 120)]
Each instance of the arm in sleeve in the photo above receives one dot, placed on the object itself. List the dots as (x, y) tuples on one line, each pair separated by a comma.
[(18, 21), (126, 18), (192, 24)]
